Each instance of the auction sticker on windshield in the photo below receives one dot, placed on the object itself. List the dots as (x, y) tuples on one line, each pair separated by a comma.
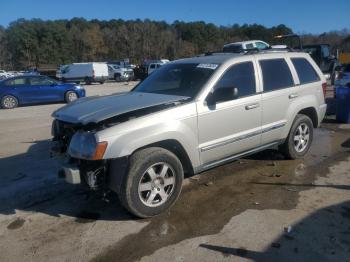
[(208, 66)]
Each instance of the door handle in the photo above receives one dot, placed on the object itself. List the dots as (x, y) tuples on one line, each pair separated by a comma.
[(252, 106), (291, 96)]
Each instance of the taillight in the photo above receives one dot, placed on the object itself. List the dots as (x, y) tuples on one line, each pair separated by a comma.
[(324, 88)]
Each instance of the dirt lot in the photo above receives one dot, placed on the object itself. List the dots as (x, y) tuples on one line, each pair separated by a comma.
[(261, 208)]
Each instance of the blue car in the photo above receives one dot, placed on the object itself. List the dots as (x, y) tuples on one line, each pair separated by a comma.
[(32, 89)]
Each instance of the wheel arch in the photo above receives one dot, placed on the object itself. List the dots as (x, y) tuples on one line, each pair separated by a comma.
[(311, 113), (177, 149), (19, 101)]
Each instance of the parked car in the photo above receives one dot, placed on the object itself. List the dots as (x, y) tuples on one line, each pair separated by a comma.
[(87, 72), (189, 116), (153, 66), (239, 47), (28, 89), (343, 78), (119, 73), (4, 74)]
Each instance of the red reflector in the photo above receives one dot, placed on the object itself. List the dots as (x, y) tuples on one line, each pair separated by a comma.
[(324, 88)]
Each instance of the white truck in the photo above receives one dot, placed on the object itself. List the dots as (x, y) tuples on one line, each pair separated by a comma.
[(241, 47), (120, 73), (87, 72)]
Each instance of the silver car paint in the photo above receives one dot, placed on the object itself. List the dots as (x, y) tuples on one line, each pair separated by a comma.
[(209, 134), (98, 109)]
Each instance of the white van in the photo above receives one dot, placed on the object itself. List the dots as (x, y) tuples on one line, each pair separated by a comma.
[(87, 72)]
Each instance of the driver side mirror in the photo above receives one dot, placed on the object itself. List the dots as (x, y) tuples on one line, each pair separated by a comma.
[(222, 94)]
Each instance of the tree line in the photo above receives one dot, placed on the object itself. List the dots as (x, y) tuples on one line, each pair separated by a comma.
[(31, 43)]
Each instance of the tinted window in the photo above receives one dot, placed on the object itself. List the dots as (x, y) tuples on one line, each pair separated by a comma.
[(249, 46), (233, 48), (305, 70), (240, 76), (276, 74), (40, 81), (16, 82)]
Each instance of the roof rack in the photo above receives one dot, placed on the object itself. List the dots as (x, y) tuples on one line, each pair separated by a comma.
[(251, 51)]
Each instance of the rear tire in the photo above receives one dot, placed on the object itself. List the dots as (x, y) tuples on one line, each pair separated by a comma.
[(87, 81), (299, 138), (9, 102), (70, 96), (153, 182)]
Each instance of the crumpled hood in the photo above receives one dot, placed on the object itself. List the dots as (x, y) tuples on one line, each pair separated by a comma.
[(96, 109)]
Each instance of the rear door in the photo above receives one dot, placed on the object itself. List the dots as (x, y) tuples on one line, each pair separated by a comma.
[(279, 90), (22, 90)]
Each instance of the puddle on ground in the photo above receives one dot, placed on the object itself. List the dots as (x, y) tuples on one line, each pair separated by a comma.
[(17, 223), (253, 183)]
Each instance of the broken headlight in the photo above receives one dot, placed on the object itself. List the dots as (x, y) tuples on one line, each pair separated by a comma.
[(83, 145)]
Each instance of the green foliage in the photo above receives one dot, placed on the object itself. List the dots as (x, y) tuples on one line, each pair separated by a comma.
[(31, 43)]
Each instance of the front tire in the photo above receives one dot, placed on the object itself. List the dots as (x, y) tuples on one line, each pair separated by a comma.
[(9, 102), (153, 182), (117, 78), (299, 138)]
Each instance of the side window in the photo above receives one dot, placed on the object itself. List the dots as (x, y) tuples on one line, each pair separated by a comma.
[(40, 81), (240, 76), (249, 46), (276, 74), (325, 51), (306, 72), (153, 66), (16, 82), (261, 45)]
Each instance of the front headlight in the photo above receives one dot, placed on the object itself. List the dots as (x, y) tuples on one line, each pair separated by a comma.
[(83, 145)]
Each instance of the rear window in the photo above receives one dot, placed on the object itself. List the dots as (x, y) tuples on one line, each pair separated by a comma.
[(305, 70), (276, 74), (233, 48), (16, 82)]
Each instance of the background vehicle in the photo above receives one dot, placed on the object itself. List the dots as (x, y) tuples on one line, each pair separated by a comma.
[(321, 53), (4, 74), (239, 47), (87, 72), (142, 71), (119, 73), (186, 117), (153, 66), (24, 89)]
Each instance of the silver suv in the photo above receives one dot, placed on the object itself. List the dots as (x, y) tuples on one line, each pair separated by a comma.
[(189, 116)]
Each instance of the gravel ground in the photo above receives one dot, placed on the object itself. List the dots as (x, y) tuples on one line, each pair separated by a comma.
[(261, 208)]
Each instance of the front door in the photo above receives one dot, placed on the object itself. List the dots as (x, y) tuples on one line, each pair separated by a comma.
[(229, 122)]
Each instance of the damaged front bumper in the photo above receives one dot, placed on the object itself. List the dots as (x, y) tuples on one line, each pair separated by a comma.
[(70, 173)]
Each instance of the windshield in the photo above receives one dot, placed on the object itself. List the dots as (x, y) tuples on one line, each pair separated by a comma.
[(177, 79)]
